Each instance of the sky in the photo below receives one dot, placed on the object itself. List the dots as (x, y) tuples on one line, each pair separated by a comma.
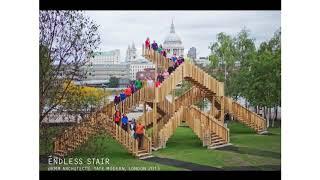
[(196, 29)]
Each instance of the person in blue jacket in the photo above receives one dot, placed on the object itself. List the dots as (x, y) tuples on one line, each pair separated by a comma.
[(124, 122), (122, 96)]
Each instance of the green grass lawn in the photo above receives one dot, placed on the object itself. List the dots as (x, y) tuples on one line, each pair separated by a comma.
[(258, 152), (101, 147), (248, 150)]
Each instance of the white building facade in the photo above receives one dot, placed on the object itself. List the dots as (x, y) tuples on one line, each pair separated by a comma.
[(139, 65), (173, 43), (106, 57)]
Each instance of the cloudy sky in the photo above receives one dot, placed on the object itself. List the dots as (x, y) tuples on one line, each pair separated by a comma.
[(118, 29)]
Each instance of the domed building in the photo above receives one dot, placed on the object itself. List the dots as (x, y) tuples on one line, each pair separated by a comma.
[(173, 43)]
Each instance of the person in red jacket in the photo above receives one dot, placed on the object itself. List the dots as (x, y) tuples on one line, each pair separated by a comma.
[(117, 117), (127, 91), (147, 43)]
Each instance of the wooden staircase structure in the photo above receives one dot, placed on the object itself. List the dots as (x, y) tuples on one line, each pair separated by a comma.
[(165, 116), (212, 89)]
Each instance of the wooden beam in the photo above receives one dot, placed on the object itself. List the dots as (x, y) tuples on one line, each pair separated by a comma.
[(222, 109)]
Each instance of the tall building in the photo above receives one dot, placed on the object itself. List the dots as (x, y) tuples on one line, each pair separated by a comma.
[(139, 65), (192, 53), (106, 57), (173, 43), (101, 73), (131, 53)]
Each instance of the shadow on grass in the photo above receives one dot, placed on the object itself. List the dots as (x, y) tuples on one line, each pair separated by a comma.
[(182, 164), (252, 168), (198, 167), (251, 151)]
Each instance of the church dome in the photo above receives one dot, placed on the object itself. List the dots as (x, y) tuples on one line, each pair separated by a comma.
[(172, 39)]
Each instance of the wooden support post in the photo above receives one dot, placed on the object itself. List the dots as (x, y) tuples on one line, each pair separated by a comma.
[(155, 125), (154, 111), (145, 113), (213, 110), (222, 109), (173, 101)]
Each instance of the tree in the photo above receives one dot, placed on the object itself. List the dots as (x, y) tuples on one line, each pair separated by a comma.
[(67, 40), (114, 82), (258, 76), (265, 76), (222, 57), (245, 53), (82, 100)]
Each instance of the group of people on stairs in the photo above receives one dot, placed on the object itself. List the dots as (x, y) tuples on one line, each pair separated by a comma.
[(136, 129), (133, 87), (175, 61)]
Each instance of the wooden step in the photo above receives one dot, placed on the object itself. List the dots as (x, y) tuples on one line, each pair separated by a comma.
[(143, 154), (146, 157), (217, 143), (219, 146), (59, 154), (217, 140)]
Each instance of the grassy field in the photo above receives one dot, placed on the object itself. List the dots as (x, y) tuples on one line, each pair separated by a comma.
[(248, 152), (101, 147)]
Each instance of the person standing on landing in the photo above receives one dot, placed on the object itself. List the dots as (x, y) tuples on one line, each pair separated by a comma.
[(140, 134), (154, 46), (147, 46), (147, 43)]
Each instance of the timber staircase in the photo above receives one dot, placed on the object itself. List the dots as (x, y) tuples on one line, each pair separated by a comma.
[(209, 127), (212, 89), (102, 120)]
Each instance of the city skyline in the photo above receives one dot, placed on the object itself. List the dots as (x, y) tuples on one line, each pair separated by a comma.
[(198, 29)]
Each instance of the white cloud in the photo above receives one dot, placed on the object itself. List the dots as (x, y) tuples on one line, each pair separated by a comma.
[(118, 29)]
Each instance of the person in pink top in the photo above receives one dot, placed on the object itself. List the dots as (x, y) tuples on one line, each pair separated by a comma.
[(165, 74)]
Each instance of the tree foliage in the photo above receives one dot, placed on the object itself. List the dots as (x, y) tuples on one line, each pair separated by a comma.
[(82, 99), (252, 73), (114, 82), (67, 40)]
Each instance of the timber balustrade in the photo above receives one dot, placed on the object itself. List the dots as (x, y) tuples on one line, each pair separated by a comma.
[(146, 118), (190, 97), (169, 84), (190, 71), (200, 77), (155, 57), (205, 126), (169, 128), (76, 135), (166, 106), (244, 115)]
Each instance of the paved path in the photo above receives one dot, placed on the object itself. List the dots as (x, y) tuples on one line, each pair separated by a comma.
[(182, 164)]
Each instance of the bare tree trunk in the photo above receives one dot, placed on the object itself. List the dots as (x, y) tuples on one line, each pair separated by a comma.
[(264, 112), (276, 113), (272, 124)]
